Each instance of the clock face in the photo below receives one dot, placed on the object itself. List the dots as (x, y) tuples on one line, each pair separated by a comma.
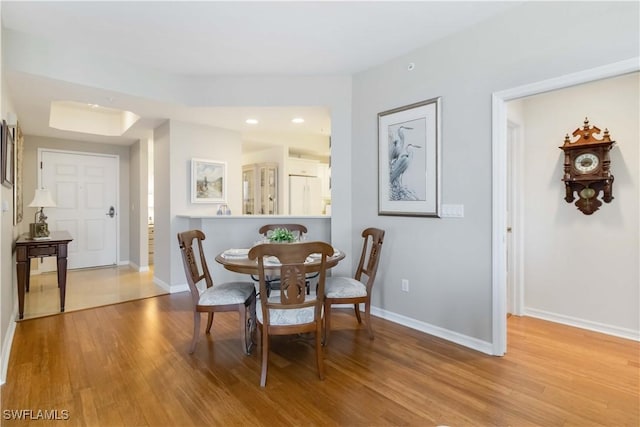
[(586, 162)]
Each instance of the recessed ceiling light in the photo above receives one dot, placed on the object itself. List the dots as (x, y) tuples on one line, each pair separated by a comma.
[(251, 121), (297, 120)]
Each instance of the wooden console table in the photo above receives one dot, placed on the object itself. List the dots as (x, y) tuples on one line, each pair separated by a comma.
[(27, 248)]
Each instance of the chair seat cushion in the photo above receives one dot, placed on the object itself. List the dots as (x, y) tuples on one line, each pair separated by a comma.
[(226, 293), (283, 317), (344, 287)]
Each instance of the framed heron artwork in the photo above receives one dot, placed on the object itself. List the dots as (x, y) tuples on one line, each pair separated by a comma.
[(409, 160), (208, 181)]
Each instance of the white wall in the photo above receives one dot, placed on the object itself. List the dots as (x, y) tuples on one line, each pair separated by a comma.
[(582, 268), (162, 204), (138, 205), (448, 261)]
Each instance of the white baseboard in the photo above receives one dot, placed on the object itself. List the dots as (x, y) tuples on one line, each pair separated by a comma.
[(125, 262), (464, 340), (138, 268), (616, 331), (172, 289), (6, 348)]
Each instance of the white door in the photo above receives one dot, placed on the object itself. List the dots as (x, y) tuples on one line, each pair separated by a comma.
[(84, 187)]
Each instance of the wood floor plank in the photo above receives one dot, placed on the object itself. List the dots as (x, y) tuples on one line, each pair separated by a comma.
[(128, 365)]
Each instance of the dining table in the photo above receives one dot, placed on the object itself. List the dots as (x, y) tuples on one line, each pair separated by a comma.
[(237, 260)]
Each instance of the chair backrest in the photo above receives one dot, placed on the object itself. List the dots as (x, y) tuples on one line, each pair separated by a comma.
[(370, 257), (292, 257), (297, 229), (194, 268)]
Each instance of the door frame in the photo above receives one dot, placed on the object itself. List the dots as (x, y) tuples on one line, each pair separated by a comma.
[(93, 154), (515, 250), (499, 177)]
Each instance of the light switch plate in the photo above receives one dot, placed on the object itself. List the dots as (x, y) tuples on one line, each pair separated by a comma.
[(452, 211)]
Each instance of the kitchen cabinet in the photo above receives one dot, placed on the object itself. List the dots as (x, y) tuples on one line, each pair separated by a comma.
[(260, 189), (302, 167)]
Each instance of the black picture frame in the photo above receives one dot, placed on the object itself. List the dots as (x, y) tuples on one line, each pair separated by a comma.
[(8, 156)]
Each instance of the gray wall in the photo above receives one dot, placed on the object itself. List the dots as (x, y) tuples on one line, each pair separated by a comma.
[(185, 143), (7, 233), (448, 261)]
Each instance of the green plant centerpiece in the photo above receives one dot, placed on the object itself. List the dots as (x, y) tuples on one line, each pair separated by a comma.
[(282, 235)]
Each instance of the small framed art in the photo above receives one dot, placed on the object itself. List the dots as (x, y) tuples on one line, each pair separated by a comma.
[(208, 181)]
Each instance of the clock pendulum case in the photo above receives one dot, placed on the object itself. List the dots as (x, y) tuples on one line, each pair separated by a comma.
[(586, 168)]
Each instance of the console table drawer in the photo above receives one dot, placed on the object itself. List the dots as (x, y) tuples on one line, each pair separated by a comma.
[(38, 251)]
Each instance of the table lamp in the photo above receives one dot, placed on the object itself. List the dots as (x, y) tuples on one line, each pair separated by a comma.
[(39, 228)]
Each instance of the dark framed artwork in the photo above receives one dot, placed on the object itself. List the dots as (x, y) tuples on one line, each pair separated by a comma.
[(8, 156), (409, 160), (18, 203)]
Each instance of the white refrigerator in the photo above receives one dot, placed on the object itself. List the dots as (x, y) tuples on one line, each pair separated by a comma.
[(305, 195)]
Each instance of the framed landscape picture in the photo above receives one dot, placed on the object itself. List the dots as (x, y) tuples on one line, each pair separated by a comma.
[(409, 160), (208, 181)]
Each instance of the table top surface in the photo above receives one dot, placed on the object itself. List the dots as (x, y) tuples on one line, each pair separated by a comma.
[(55, 236), (240, 264)]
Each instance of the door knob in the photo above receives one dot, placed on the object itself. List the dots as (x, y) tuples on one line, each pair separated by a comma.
[(112, 212)]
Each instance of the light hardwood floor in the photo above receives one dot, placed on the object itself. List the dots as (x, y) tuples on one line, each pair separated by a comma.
[(127, 364), (88, 288)]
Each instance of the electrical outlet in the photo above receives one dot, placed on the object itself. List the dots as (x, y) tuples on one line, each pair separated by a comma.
[(405, 285)]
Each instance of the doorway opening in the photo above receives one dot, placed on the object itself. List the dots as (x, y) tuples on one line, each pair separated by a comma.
[(500, 178)]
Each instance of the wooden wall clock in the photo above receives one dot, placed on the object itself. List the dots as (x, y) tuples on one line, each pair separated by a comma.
[(586, 168)]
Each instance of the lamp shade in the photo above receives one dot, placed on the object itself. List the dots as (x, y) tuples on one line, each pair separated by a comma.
[(42, 199)]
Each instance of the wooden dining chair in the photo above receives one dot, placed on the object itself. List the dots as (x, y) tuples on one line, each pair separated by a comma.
[(290, 311), (298, 231), (210, 298), (347, 290)]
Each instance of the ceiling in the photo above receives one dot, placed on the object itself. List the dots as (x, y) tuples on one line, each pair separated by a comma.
[(226, 38)]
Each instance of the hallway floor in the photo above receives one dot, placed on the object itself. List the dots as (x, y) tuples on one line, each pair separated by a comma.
[(88, 288)]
